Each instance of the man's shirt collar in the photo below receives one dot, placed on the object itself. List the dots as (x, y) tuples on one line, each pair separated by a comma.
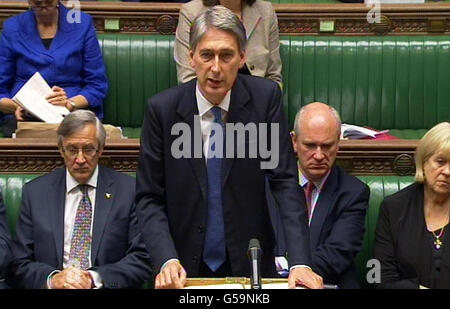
[(204, 105), (71, 182)]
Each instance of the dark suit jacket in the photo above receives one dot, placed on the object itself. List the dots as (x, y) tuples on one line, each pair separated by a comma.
[(403, 245), (117, 253), (5, 239), (171, 193), (337, 228)]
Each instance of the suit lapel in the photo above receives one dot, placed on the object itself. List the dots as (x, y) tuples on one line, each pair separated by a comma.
[(57, 201), (323, 206), (63, 35), (251, 19), (238, 112), (104, 199), (186, 111)]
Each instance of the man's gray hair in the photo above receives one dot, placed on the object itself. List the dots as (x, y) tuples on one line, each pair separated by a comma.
[(221, 18), (302, 110), (76, 121)]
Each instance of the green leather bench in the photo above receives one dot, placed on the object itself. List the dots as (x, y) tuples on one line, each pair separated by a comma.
[(380, 187), (390, 82)]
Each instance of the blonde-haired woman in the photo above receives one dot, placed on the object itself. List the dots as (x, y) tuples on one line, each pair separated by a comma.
[(412, 239)]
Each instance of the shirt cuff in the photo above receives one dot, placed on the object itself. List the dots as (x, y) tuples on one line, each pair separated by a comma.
[(167, 262), (299, 266), (49, 278), (98, 283)]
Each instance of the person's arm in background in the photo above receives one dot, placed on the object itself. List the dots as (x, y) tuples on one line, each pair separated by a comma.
[(181, 48), (274, 66), (385, 253), (7, 71)]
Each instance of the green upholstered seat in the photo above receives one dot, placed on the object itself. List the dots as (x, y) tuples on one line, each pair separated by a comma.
[(11, 185), (390, 82), (380, 187)]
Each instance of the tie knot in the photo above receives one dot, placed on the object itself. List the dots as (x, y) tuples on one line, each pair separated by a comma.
[(310, 186), (83, 189), (217, 112)]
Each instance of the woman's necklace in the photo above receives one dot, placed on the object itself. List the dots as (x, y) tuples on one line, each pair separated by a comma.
[(437, 238)]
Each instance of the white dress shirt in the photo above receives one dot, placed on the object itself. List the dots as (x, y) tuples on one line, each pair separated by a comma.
[(73, 198), (207, 117)]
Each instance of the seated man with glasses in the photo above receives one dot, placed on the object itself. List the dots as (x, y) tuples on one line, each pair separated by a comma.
[(78, 227)]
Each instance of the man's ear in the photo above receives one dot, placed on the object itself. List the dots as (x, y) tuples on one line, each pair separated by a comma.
[(191, 58), (243, 59), (61, 152), (294, 140)]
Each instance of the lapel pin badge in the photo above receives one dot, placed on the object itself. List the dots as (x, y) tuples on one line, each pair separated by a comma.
[(108, 195)]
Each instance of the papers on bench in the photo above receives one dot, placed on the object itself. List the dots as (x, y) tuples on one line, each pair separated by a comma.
[(349, 131), (31, 97)]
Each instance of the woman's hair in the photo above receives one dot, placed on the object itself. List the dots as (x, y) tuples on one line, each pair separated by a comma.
[(216, 2), (435, 140)]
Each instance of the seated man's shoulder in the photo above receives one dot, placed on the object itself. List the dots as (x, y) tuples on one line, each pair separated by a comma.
[(351, 182), (47, 179)]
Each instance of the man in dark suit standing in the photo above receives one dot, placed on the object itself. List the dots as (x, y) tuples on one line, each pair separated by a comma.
[(337, 202), (78, 227), (199, 205)]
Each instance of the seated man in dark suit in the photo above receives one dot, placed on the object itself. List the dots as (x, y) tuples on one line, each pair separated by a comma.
[(337, 202), (200, 205), (78, 227), (5, 243)]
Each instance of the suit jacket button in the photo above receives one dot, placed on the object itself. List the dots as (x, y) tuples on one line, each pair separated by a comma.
[(195, 259), (200, 229)]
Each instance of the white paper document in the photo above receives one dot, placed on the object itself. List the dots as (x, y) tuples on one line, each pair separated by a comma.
[(31, 97), (356, 132)]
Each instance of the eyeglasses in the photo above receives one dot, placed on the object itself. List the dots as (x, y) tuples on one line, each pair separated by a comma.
[(73, 152), (39, 4)]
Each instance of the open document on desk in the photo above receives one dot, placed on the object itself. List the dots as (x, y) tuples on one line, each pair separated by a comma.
[(31, 97)]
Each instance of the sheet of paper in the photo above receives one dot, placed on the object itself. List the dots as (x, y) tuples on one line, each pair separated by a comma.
[(32, 98)]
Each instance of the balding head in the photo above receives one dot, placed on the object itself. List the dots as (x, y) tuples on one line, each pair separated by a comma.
[(316, 140), (317, 112)]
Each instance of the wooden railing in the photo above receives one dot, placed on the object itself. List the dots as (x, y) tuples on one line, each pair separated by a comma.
[(358, 157), (294, 19)]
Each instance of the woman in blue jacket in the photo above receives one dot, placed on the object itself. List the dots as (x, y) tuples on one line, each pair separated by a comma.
[(61, 45)]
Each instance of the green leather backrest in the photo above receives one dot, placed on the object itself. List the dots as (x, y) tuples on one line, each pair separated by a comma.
[(384, 82), (138, 66), (11, 185), (380, 187)]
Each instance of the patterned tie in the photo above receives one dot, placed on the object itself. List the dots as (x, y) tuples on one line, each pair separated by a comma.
[(214, 253), (81, 235), (308, 194)]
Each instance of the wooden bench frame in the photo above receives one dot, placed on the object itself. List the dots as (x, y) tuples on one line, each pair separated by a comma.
[(294, 19)]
